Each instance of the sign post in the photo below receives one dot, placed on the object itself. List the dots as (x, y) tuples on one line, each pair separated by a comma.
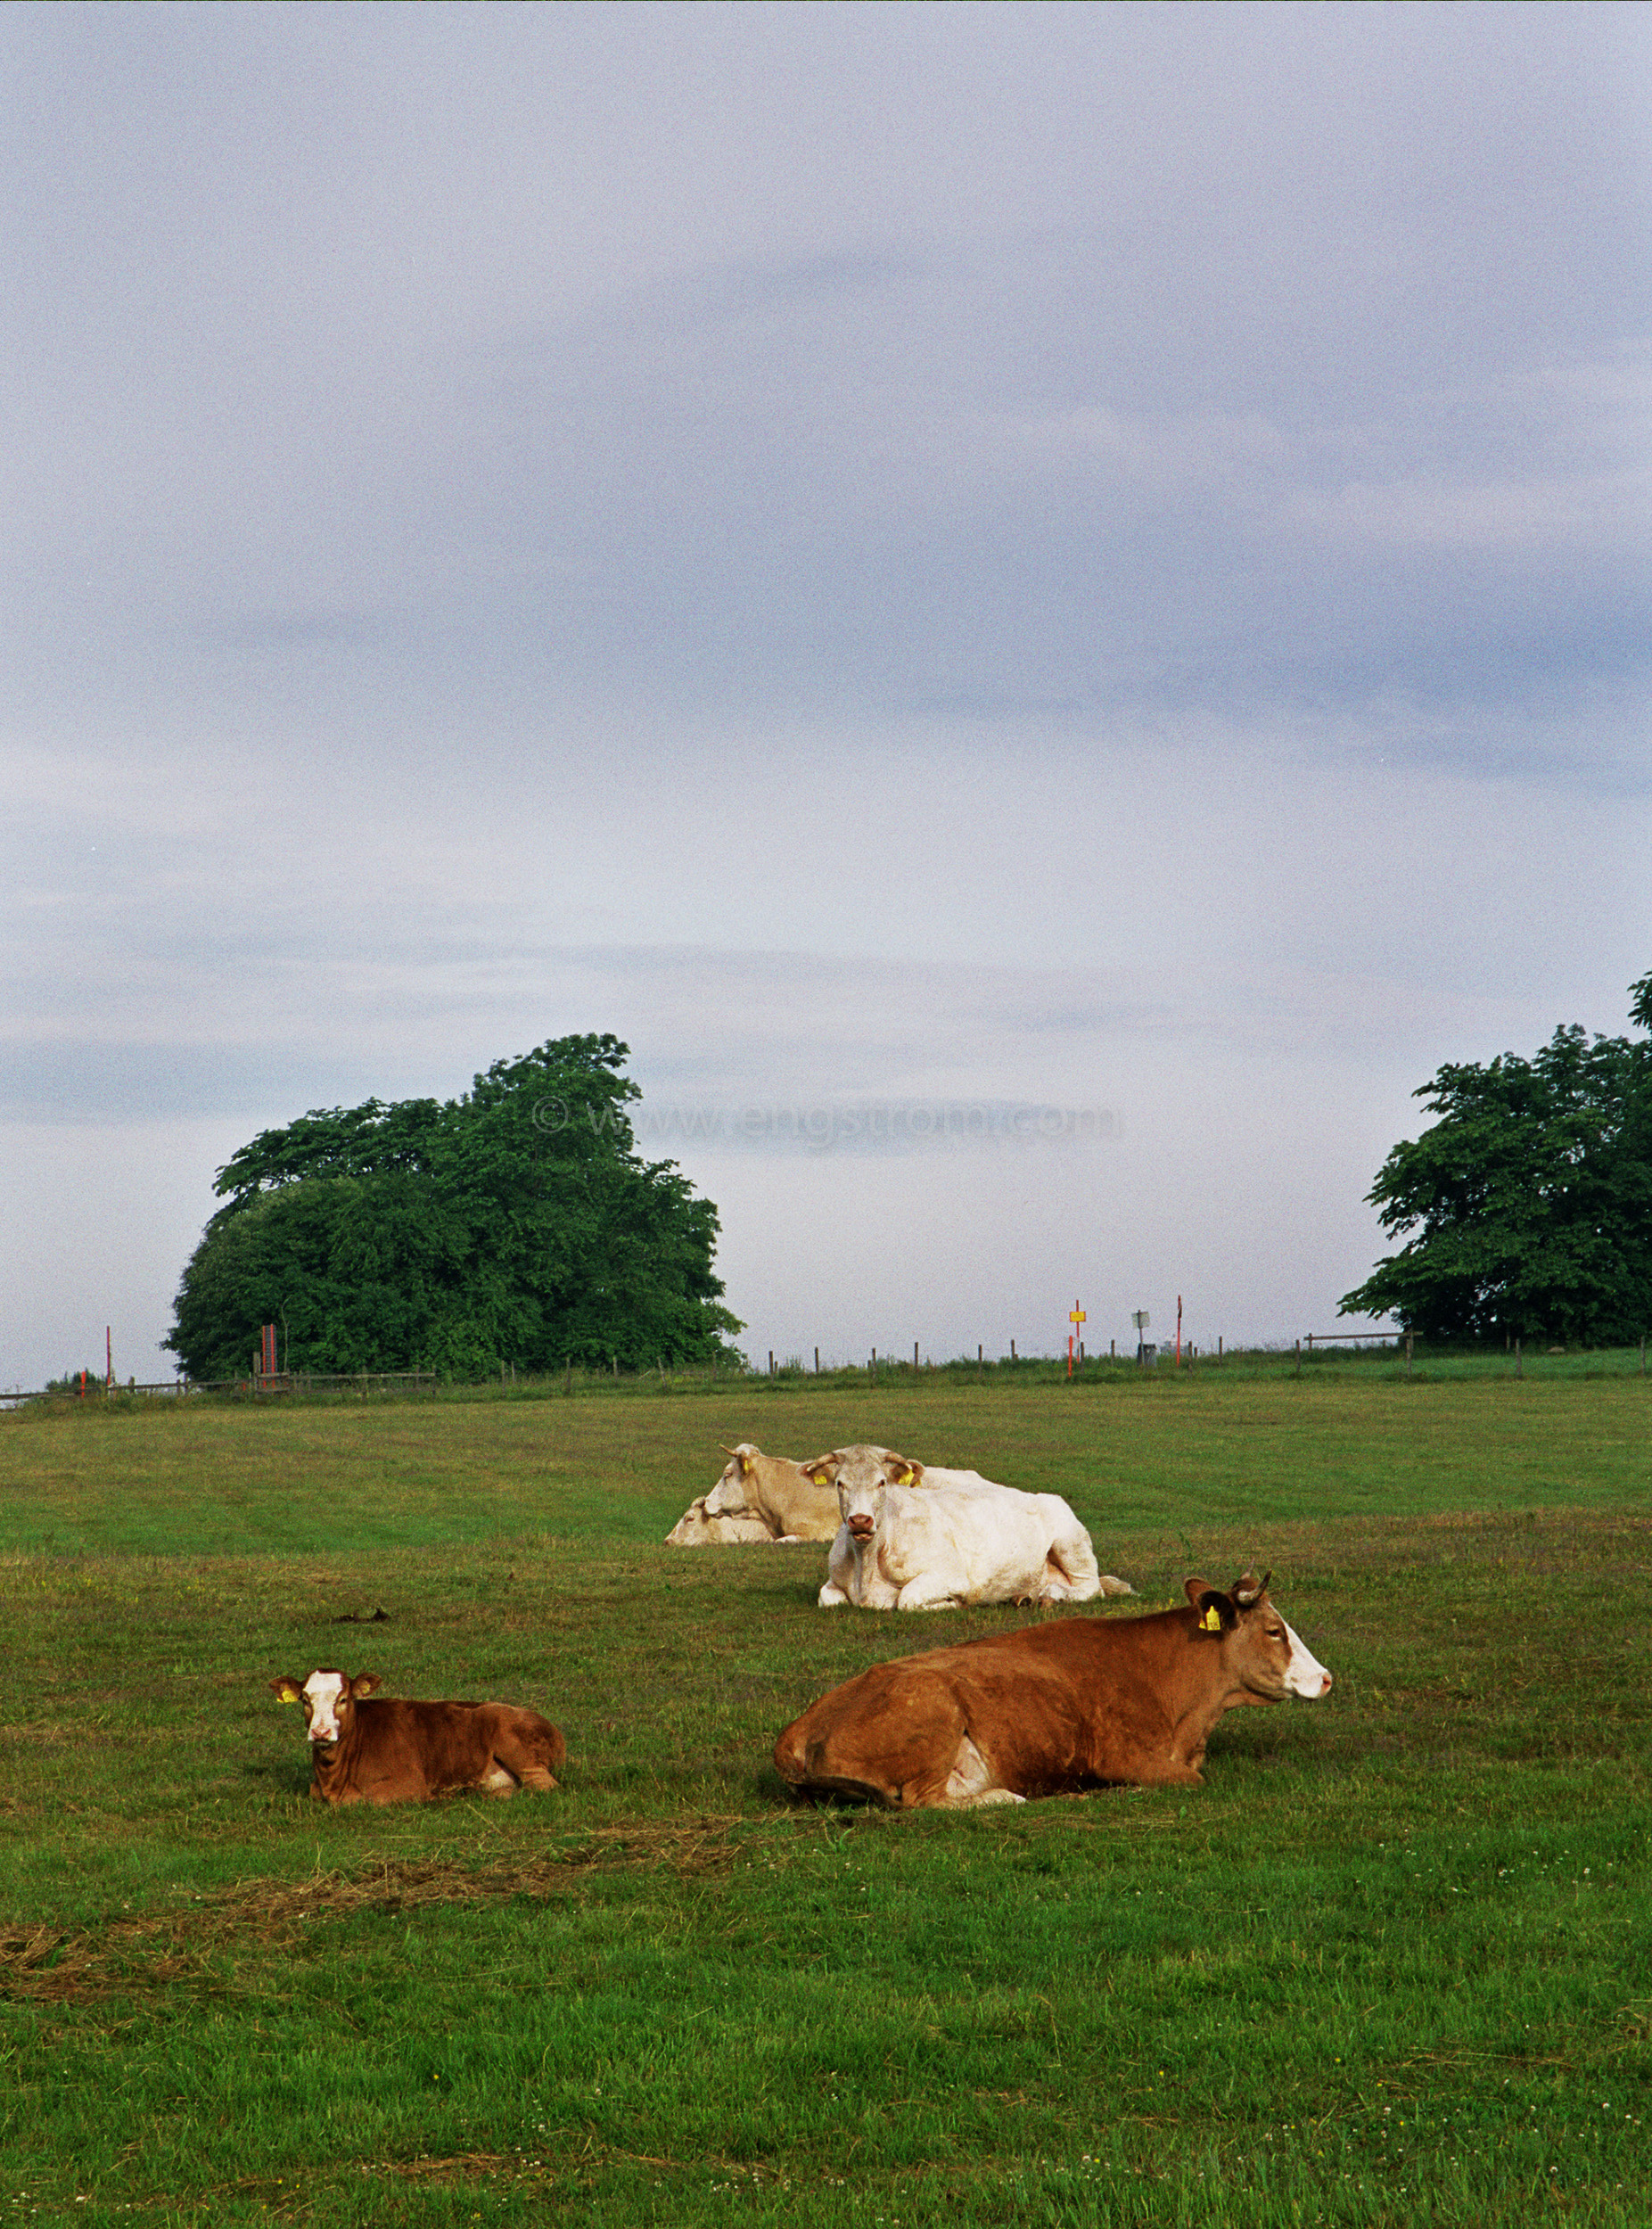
[(1075, 1316), (1141, 1320)]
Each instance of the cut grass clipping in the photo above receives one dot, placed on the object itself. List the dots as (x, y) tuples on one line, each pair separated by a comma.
[(1391, 1964)]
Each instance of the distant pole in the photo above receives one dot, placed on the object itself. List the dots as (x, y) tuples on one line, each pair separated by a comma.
[(1075, 1316), (817, 1362), (1178, 1330), (1299, 1358), (109, 1357), (1012, 1351), (1518, 1371), (1407, 1355), (915, 1353)]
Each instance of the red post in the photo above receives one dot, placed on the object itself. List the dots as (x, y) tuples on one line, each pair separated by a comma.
[(1178, 1330)]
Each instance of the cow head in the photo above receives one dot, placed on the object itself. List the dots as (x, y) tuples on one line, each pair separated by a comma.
[(329, 1700), (1270, 1660), (863, 1476), (896, 1470), (727, 1496)]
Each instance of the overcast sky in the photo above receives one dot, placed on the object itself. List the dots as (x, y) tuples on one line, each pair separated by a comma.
[(1044, 608)]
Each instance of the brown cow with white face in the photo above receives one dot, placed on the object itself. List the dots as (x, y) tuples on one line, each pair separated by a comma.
[(1052, 1709), (398, 1751)]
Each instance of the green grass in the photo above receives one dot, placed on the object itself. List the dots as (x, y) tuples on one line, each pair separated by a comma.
[(1392, 1964)]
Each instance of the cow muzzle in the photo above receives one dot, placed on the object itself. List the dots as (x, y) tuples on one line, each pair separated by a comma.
[(861, 1527)]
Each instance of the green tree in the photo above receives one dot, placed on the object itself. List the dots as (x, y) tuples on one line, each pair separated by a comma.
[(1531, 1196), (515, 1223)]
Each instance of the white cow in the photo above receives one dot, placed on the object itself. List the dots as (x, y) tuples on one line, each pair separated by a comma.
[(699, 1528), (931, 1547)]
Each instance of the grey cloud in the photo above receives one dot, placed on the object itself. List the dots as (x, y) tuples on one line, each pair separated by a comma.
[(48, 1080)]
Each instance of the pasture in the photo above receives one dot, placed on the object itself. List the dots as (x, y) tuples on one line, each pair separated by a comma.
[(1391, 1964)]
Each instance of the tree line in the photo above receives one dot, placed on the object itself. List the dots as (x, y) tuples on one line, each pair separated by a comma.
[(514, 1224), (1531, 1196)]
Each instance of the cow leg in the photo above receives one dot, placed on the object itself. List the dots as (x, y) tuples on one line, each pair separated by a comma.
[(927, 1592), (522, 1757), (888, 1737), (972, 1782), (1070, 1572)]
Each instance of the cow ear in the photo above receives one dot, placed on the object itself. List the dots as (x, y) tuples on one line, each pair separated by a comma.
[(1217, 1614), (899, 1472), (1194, 1588), (364, 1683), (285, 1690)]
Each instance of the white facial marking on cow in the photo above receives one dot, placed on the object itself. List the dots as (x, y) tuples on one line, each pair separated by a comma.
[(322, 1694), (1305, 1674)]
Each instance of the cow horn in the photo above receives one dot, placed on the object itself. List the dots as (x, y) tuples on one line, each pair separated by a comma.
[(1250, 1589)]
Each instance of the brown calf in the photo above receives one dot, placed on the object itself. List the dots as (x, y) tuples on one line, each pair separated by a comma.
[(398, 1751), (1051, 1709)]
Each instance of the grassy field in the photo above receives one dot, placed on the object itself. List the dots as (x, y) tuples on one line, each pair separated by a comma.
[(1391, 1964)]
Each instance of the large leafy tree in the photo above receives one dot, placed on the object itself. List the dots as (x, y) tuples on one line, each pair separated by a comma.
[(1531, 1196), (515, 1223)]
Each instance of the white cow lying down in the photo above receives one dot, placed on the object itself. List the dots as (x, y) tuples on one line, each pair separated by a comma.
[(697, 1527), (934, 1546)]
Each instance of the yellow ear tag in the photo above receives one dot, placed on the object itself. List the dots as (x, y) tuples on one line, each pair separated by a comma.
[(286, 1696), (905, 1478), (1210, 1623)]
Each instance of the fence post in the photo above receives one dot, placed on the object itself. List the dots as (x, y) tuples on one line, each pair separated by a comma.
[(817, 1362), (1012, 1350), (1299, 1358), (1407, 1353), (1408, 1347)]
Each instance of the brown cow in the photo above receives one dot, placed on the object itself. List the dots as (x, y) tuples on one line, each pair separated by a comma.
[(1051, 1709), (398, 1751)]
